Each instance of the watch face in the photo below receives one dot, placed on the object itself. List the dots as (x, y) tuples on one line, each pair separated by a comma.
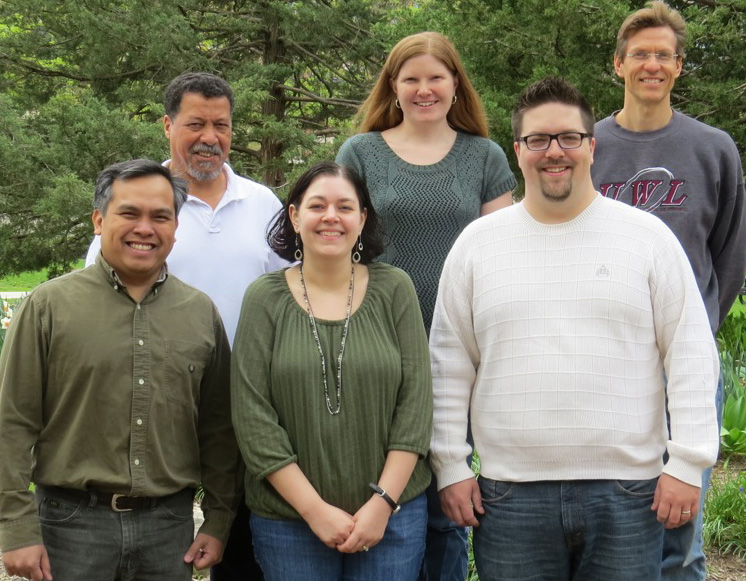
[(397, 509)]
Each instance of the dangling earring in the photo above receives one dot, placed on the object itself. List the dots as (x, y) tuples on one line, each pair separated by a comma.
[(356, 255), (396, 104), (298, 252), (455, 98)]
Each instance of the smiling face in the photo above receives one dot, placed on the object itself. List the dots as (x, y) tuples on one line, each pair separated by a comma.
[(425, 88), (138, 230), (200, 136), (328, 218), (649, 83), (556, 175)]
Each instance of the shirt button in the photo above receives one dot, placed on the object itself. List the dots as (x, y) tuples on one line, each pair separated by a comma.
[(137, 462), (138, 306), (141, 342), (139, 422), (141, 381)]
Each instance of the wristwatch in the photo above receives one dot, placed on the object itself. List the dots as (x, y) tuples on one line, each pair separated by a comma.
[(383, 494)]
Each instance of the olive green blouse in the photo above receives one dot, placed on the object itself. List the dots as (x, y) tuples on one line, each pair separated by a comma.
[(279, 409)]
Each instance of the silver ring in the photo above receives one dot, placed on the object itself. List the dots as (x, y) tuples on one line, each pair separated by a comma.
[(686, 512), (365, 548)]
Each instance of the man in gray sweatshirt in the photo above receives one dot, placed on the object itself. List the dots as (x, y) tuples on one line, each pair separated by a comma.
[(689, 174)]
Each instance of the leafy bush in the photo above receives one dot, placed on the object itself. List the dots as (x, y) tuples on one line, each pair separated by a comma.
[(732, 346), (725, 525)]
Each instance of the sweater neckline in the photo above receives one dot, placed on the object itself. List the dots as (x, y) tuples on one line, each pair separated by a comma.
[(565, 227), (372, 274), (642, 136), (457, 145)]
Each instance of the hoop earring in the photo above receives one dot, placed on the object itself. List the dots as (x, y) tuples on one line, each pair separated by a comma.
[(455, 98), (298, 252), (396, 104), (356, 255)]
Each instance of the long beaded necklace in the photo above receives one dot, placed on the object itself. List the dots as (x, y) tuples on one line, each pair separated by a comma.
[(334, 412)]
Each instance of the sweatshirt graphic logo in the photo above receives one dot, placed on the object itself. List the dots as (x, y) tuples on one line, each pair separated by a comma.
[(649, 189)]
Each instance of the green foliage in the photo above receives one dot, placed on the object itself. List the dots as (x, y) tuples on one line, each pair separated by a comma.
[(733, 432), (82, 85), (725, 523), (732, 346)]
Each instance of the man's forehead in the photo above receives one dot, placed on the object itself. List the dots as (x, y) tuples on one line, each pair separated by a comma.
[(140, 190), (197, 101), (549, 116)]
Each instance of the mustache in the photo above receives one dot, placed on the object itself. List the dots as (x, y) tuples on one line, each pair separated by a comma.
[(203, 148)]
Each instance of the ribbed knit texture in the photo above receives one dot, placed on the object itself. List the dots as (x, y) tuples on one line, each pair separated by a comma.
[(564, 331), (279, 410), (425, 207)]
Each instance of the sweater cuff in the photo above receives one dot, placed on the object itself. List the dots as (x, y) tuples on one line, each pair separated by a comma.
[(685, 471), (453, 473)]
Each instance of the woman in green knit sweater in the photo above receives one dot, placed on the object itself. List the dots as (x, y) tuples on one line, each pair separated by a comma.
[(424, 153), (332, 397)]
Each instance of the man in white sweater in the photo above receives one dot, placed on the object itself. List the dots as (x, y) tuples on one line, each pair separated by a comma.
[(556, 322)]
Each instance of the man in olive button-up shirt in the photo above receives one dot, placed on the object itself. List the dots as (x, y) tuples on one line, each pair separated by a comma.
[(114, 379)]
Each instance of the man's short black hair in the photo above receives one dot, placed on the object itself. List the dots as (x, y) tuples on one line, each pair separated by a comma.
[(130, 170), (551, 90)]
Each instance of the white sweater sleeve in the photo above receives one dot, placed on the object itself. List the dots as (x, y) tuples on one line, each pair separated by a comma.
[(455, 360), (690, 360)]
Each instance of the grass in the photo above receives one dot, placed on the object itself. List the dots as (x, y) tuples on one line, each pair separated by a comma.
[(27, 281), (725, 522), (738, 308)]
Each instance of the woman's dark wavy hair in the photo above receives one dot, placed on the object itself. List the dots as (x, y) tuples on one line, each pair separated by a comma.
[(281, 235)]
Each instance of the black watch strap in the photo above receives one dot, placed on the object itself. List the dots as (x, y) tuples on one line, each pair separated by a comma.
[(383, 494)]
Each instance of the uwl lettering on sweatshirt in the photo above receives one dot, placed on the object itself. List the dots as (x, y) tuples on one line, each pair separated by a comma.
[(649, 189)]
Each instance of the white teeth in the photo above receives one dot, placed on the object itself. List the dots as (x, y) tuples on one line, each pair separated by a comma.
[(652, 81), (555, 169), (324, 233), (141, 246), (425, 103)]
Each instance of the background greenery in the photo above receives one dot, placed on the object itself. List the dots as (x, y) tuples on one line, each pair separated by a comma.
[(81, 84)]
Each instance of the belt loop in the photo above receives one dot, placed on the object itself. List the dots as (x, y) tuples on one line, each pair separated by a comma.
[(92, 499)]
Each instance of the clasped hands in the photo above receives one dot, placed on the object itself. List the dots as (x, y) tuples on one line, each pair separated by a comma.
[(348, 533)]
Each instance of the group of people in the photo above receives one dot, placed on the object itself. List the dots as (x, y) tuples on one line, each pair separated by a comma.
[(571, 344)]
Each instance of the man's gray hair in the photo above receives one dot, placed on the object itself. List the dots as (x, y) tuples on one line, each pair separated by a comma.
[(206, 84), (130, 170)]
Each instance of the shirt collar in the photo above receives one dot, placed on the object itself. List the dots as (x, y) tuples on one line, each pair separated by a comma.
[(113, 278)]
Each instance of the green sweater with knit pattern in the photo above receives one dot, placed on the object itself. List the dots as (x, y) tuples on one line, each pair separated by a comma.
[(425, 207)]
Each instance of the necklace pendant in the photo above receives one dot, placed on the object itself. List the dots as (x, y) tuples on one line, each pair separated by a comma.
[(333, 410)]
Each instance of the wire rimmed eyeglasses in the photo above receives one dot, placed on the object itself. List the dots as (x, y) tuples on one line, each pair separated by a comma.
[(542, 141), (662, 57)]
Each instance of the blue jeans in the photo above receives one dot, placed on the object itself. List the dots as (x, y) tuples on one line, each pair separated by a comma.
[(446, 548), (238, 562), (583, 530), (287, 550), (89, 542), (683, 554)]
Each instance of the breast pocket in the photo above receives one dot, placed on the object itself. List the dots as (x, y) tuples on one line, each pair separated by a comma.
[(185, 364)]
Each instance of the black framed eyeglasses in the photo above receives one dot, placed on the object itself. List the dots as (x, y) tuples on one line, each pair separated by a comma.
[(542, 141)]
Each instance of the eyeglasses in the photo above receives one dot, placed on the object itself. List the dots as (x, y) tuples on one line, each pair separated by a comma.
[(642, 56), (542, 141)]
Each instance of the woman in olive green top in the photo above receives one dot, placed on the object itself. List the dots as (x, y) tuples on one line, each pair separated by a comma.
[(330, 377)]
